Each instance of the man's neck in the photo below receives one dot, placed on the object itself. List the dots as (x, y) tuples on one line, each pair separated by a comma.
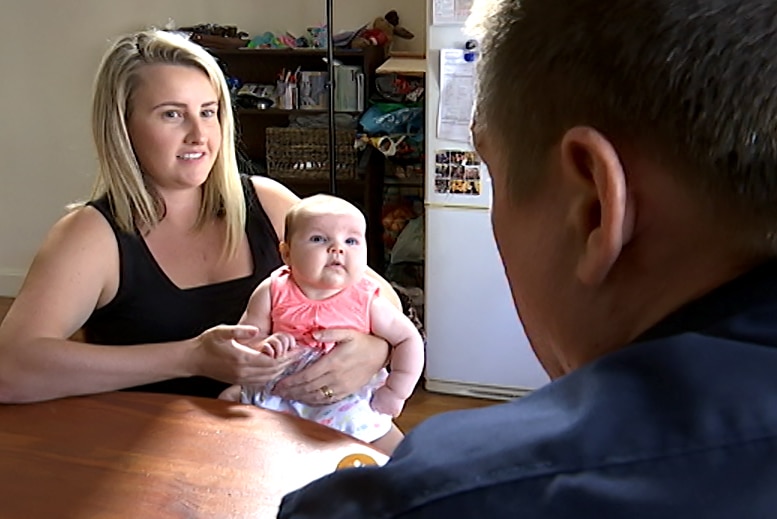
[(641, 294)]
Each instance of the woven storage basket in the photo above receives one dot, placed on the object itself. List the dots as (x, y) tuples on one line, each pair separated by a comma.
[(303, 153)]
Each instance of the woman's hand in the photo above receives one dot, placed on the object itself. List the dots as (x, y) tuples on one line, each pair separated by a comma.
[(222, 353), (231, 394), (354, 360)]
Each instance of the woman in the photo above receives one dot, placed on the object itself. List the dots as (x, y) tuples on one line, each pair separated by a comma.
[(163, 260)]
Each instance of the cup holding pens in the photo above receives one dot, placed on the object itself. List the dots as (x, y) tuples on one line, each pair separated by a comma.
[(287, 94), (280, 92)]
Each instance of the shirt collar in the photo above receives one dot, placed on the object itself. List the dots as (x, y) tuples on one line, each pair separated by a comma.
[(755, 287)]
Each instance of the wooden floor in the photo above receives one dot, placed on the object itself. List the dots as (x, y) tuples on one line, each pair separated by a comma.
[(421, 405)]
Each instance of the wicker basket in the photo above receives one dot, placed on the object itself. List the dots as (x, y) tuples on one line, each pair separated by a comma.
[(303, 153)]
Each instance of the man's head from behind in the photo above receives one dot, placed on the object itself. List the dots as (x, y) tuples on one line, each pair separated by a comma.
[(625, 135)]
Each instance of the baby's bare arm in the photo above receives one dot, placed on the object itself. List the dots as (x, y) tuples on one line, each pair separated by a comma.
[(257, 312), (407, 359)]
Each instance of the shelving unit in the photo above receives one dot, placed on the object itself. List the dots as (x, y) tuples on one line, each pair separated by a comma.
[(262, 66), (398, 191), (279, 111)]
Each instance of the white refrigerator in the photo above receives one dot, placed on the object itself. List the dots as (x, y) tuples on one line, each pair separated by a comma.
[(476, 345)]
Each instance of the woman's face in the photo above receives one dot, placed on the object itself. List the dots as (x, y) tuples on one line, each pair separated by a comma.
[(174, 125)]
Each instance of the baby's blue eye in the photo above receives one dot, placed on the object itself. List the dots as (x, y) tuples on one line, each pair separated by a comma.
[(317, 239), (352, 241)]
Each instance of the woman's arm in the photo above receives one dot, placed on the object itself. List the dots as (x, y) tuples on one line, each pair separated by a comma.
[(74, 272)]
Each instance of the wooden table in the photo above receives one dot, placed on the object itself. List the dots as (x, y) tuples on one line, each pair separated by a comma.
[(151, 456)]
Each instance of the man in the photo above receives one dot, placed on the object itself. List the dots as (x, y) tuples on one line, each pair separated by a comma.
[(633, 149)]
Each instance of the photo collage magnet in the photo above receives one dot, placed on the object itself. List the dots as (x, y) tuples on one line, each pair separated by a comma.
[(457, 173)]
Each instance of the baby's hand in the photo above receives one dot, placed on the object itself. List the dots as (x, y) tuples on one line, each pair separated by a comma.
[(385, 401), (277, 344)]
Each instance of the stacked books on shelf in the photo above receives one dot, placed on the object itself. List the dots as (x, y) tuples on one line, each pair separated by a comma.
[(312, 90)]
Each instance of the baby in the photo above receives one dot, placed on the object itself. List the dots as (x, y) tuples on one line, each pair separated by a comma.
[(323, 285)]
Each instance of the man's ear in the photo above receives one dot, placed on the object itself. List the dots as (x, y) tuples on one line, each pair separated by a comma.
[(283, 248), (601, 211)]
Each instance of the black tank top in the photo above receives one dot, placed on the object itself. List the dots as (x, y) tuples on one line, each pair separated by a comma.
[(150, 308)]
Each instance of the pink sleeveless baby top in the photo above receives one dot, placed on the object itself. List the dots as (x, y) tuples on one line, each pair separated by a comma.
[(294, 313)]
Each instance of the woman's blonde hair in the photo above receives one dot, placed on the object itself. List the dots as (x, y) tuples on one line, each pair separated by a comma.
[(134, 203)]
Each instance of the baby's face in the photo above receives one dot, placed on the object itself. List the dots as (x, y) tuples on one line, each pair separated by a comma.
[(328, 251)]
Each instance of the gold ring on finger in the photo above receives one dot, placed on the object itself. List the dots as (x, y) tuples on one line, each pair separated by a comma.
[(327, 392)]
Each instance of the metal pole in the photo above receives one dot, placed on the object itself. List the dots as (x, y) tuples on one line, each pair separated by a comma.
[(330, 62)]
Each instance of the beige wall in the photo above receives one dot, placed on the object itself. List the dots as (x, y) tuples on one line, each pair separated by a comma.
[(49, 53)]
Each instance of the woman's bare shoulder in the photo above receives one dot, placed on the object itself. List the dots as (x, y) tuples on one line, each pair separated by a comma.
[(74, 271), (84, 226), (268, 187), (276, 199)]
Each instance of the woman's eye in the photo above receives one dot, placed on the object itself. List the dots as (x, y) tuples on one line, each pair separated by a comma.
[(317, 239), (171, 114), (209, 113)]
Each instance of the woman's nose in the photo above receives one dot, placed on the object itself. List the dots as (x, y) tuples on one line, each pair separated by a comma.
[(196, 134)]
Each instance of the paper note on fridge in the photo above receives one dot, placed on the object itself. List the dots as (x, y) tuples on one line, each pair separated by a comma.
[(451, 11), (457, 96)]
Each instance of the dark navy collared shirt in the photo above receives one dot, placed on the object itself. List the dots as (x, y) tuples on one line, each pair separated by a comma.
[(680, 424)]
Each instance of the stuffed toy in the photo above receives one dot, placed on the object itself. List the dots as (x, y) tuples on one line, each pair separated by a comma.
[(382, 33)]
